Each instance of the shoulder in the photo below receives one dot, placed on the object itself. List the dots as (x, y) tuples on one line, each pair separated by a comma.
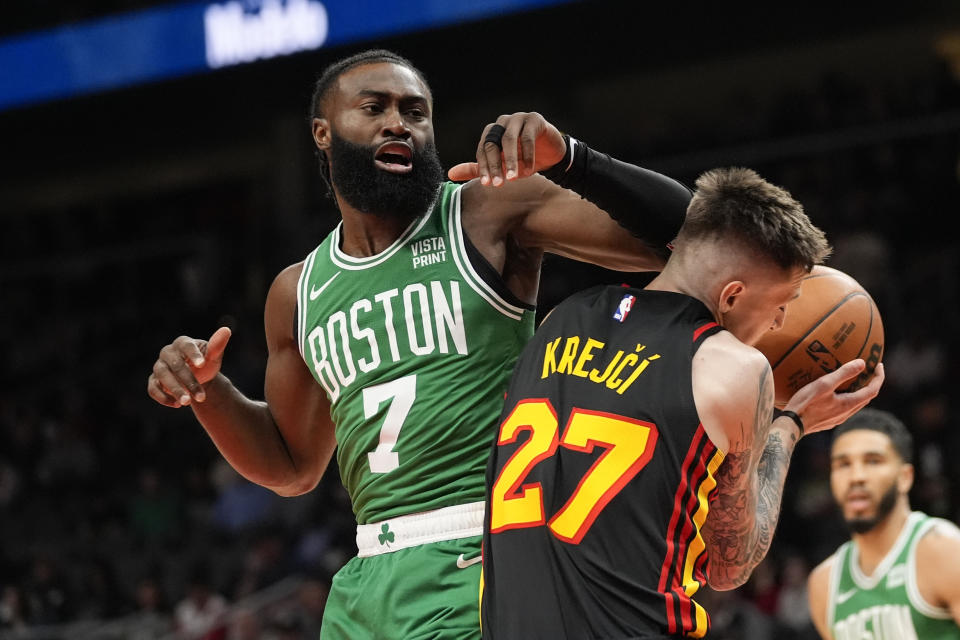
[(729, 380), (818, 594), (938, 564), (819, 579), (940, 545), (281, 302), (285, 282)]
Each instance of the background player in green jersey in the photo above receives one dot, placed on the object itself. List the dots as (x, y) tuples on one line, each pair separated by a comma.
[(899, 575), (416, 574)]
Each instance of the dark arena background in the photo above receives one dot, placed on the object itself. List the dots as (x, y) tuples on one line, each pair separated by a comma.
[(146, 194)]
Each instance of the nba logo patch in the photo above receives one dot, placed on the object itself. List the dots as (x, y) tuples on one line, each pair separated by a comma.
[(626, 303)]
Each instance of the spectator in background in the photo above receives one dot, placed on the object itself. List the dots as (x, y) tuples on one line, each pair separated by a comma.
[(13, 615), (200, 615), (46, 593), (152, 618), (792, 613), (154, 511)]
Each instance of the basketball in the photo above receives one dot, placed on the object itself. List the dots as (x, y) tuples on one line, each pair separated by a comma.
[(832, 322)]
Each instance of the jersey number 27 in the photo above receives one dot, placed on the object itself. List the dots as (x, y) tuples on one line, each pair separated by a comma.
[(629, 446)]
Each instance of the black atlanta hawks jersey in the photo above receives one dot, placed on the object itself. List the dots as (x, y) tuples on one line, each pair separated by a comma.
[(602, 475)]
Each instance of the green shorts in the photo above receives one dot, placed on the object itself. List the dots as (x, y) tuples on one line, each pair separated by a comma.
[(426, 592)]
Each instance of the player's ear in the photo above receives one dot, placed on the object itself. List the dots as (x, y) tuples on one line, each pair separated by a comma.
[(321, 133), (729, 295), (905, 478)]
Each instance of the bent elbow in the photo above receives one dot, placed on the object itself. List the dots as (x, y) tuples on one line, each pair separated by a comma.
[(296, 488), (726, 582)]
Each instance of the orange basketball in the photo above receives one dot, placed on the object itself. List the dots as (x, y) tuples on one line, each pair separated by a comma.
[(832, 322)]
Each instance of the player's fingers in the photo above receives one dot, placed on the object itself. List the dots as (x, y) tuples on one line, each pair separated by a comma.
[(483, 165), (513, 127), (172, 371), (532, 127), (491, 152), (845, 373), (156, 391), (464, 171), (186, 348), (215, 346)]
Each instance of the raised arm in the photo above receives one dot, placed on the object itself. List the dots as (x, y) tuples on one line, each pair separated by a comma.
[(733, 388), (284, 443), (582, 210)]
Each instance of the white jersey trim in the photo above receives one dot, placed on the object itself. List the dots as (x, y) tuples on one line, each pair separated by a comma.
[(866, 582), (448, 523), (839, 558), (913, 589), (462, 260), (352, 263), (302, 298)]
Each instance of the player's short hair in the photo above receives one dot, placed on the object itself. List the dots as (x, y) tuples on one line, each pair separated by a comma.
[(884, 422), (336, 69), (736, 202)]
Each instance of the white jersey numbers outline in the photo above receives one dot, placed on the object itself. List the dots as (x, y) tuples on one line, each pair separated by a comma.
[(401, 393)]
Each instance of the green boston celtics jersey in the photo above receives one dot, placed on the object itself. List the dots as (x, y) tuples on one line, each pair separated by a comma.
[(886, 605), (414, 349)]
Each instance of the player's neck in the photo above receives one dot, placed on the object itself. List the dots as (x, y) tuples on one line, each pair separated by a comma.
[(876, 543), (366, 234)]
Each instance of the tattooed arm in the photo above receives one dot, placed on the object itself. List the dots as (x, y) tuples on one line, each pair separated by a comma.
[(733, 389)]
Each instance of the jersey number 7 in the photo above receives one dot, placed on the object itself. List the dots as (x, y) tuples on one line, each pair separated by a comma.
[(629, 446)]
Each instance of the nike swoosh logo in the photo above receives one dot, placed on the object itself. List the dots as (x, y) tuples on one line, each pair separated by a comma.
[(315, 293), (843, 597), (463, 564)]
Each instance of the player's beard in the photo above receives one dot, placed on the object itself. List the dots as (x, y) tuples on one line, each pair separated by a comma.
[(371, 190), (887, 502)]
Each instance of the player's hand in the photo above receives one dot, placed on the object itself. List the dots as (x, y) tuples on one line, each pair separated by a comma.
[(184, 366), (529, 142), (821, 407)]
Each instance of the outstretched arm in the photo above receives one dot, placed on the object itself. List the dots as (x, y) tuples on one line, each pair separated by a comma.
[(284, 443), (564, 215), (739, 418)]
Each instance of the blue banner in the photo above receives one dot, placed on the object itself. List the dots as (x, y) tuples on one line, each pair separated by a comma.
[(194, 37)]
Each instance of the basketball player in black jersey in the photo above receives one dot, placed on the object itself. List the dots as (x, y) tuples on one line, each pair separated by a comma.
[(639, 455)]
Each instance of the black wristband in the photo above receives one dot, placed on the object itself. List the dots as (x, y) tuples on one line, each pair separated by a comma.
[(649, 205), (557, 171), (790, 414)]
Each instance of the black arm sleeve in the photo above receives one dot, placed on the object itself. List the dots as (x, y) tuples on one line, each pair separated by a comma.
[(648, 204)]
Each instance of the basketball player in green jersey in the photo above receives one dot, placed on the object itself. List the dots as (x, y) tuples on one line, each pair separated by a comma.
[(899, 576), (392, 343)]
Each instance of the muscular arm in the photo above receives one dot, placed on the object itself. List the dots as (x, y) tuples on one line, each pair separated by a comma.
[(285, 443), (733, 391), (742, 519), (536, 214)]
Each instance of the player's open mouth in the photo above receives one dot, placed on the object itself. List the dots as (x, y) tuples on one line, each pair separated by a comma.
[(858, 501), (395, 157)]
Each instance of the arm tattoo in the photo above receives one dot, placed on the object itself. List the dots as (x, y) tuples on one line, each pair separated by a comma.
[(750, 482)]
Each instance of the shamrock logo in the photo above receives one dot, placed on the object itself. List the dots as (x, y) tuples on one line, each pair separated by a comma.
[(386, 536)]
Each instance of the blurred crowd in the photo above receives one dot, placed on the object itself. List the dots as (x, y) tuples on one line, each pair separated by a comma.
[(115, 509)]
